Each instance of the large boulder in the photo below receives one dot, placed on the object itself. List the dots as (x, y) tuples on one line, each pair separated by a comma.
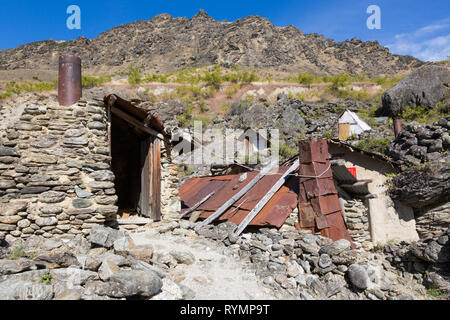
[(418, 188), (424, 87), (132, 283), (105, 236)]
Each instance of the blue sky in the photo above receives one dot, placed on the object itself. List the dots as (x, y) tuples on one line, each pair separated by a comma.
[(419, 28)]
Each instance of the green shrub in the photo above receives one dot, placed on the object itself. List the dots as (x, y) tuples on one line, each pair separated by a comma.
[(186, 118), (328, 134), (246, 77), (156, 78), (225, 107), (230, 92), (435, 294), (17, 253), (386, 82), (134, 76), (308, 78), (374, 145), (421, 114), (286, 151), (47, 278), (338, 81), (213, 78), (13, 87), (368, 115), (91, 81)]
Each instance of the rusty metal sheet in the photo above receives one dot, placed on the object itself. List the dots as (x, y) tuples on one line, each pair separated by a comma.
[(319, 187), (321, 222), (263, 186), (275, 212), (227, 191), (315, 169), (324, 205), (306, 215), (319, 205), (195, 189), (337, 229), (313, 150)]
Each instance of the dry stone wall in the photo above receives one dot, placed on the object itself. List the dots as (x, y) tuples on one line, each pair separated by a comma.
[(357, 220), (55, 175), (170, 199)]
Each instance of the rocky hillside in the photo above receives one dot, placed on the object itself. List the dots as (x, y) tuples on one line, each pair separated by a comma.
[(166, 44)]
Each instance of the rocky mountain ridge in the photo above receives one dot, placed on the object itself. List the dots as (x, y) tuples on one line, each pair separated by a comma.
[(167, 44)]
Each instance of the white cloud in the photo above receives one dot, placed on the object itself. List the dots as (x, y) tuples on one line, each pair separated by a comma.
[(429, 43)]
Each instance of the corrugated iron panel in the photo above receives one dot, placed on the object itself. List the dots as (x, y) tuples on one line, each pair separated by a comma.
[(318, 187), (277, 210), (274, 213), (326, 204), (227, 191), (337, 229)]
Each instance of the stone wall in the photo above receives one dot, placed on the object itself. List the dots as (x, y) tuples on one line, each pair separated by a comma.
[(55, 175), (357, 220), (170, 200), (420, 143), (431, 220)]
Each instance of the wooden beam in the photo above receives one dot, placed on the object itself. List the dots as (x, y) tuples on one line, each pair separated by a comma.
[(237, 196), (135, 122), (154, 155), (260, 205), (145, 181), (198, 204), (359, 183)]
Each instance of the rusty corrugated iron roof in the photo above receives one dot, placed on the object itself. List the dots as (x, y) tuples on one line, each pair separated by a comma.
[(274, 213)]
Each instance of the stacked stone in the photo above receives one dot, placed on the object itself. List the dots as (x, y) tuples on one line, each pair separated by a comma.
[(417, 143), (55, 171), (427, 260), (170, 199), (109, 267), (357, 220), (432, 220), (310, 266)]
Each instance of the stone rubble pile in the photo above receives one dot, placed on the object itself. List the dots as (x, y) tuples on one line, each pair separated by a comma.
[(428, 260), (310, 266), (109, 266), (418, 143)]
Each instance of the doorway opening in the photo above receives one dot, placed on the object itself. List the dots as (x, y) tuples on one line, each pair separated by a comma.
[(136, 165)]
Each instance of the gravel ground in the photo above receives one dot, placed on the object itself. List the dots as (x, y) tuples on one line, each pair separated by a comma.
[(213, 275)]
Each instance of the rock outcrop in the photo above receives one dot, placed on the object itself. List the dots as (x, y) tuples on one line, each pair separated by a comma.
[(418, 143), (167, 44), (428, 260), (424, 87)]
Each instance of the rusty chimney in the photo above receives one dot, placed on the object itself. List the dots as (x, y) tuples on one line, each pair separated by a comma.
[(69, 80), (397, 127)]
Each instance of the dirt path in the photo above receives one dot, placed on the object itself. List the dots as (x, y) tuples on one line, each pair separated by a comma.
[(213, 275)]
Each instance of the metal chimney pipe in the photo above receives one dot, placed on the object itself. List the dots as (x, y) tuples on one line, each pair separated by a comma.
[(397, 127), (69, 80)]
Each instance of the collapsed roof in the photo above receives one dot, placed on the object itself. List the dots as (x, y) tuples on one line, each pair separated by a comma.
[(220, 189)]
